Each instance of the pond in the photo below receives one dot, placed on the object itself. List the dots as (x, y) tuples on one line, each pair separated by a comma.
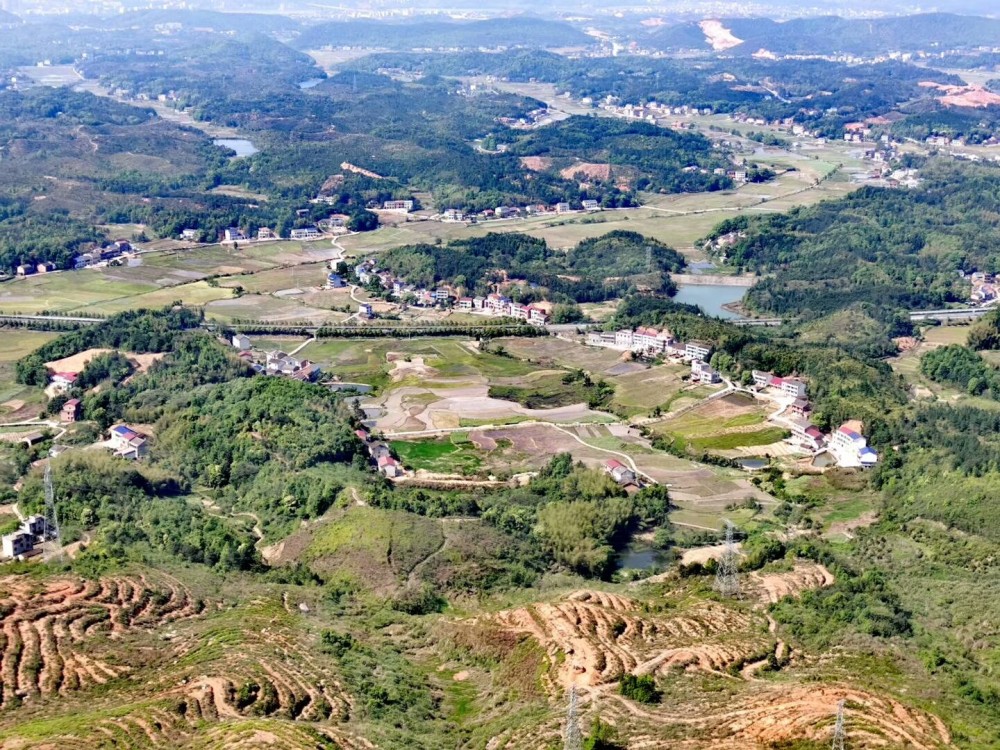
[(309, 83), (640, 556), (823, 460), (753, 464), (711, 298), (241, 146)]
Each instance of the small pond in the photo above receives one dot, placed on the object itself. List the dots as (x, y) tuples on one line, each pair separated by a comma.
[(241, 146), (753, 464), (640, 555), (309, 83), (711, 297)]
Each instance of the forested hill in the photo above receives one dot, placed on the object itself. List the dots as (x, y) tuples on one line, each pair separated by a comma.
[(888, 249), (832, 34), (497, 32)]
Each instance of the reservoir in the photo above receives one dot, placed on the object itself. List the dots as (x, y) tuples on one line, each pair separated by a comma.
[(241, 146), (711, 297)]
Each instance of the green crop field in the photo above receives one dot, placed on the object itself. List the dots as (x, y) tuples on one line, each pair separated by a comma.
[(732, 440), (456, 454)]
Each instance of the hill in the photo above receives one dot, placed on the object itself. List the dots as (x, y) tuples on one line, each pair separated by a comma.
[(831, 34), (521, 31)]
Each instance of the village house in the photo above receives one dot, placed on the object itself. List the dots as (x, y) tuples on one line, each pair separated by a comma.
[(619, 472), (191, 235), (800, 407), (809, 435), (241, 342), (45, 267), (25, 270), (590, 205), (36, 526), (266, 233), (399, 206), (791, 387), (697, 350), (128, 443), (390, 467), (85, 259), (562, 208), (17, 544), (233, 234), (335, 281), (365, 310), (70, 411), (703, 373), (464, 303), (63, 381), (308, 233), (850, 447), (362, 435)]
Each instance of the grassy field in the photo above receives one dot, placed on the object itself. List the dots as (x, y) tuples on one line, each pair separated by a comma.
[(447, 455), (19, 401)]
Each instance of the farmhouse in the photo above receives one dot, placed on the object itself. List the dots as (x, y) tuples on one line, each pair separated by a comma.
[(792, 387), (590, 205), (45, 267), (335, 281), (191, 235), (70, 411), (266, 233), (800, 407), (309, 233), (63, 381), (697, 350), (25, 270), (850, 447), (464, 303), (241, 342), (128, 443), (619, 472), (365, 310), (233, 234), (703, 373), (17, 544), (400, 206), (390, 467)]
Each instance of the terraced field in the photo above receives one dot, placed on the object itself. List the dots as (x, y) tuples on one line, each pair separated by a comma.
[(45, 629)]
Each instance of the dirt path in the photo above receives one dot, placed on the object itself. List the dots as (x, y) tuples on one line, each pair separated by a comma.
[(413, 579)]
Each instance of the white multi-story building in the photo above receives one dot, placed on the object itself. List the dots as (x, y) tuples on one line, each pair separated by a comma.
[(697, 350), (850, 448)]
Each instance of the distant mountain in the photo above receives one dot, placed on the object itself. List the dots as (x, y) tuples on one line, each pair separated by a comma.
[(8, 18), (832, 34), (242, 23), (498, 32)]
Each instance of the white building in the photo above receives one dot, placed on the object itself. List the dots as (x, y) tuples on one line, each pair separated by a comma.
[(241, 342), (17, 544), (850, 447), (702, 372), (309, 233), (619, 472), (697, 350)]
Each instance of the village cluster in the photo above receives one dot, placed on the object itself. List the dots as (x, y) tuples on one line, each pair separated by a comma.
[(846, 446), (493, 304)]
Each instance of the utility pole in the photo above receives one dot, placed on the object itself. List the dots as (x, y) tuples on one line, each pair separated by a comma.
[(839, 733), (727, 580), (573, 738)]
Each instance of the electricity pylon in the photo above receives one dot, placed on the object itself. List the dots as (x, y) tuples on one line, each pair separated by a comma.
[(727, 579), (51, 517), (839, 732), (573, 738)]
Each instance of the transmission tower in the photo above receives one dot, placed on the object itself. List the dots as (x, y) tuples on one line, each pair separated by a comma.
[(574, 740), (839, 733), (51, 517), (727, 580)]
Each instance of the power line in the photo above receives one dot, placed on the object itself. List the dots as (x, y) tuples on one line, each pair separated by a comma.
[(727, 578)]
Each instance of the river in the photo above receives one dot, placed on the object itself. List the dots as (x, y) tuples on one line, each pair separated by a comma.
[(711, 298)]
